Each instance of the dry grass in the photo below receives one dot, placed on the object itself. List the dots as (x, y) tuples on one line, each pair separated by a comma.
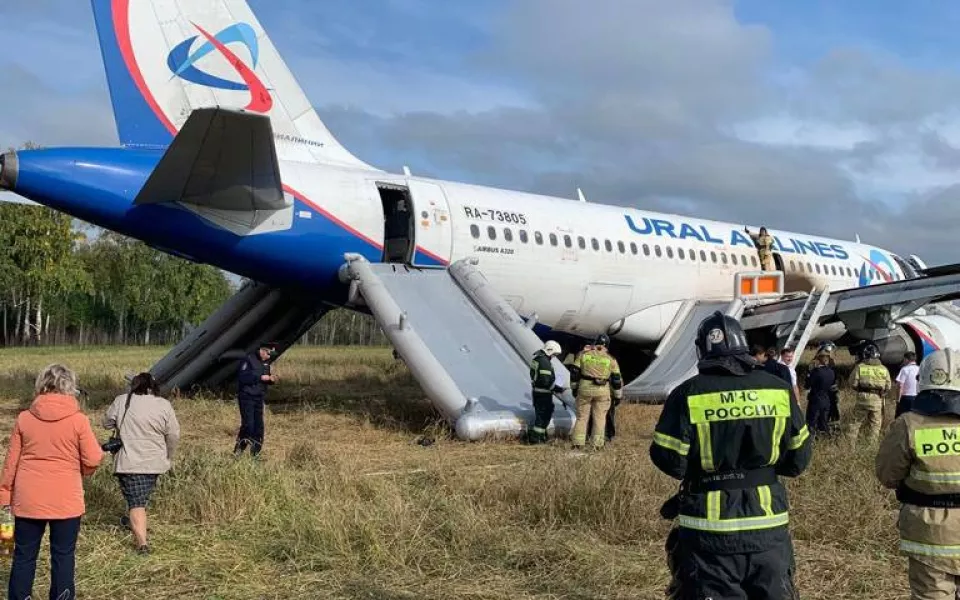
[(347, 505)]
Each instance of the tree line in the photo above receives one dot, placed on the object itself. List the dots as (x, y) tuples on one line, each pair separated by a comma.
[(66, 283)]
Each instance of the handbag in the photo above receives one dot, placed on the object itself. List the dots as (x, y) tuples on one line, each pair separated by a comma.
[(114, 444)]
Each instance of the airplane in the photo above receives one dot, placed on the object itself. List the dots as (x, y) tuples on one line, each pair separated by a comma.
[(224, 161)]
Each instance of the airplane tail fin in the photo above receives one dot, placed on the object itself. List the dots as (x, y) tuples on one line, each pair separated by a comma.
[(166, 58)]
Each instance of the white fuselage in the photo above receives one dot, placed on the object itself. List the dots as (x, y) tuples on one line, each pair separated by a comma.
[(582, 267)]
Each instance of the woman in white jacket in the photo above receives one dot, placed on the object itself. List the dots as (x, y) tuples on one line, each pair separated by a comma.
[(149, 432)]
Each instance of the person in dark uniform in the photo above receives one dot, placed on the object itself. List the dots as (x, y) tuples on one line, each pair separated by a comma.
[(777, 368), (821, 381), (543, 378), (254, 377), (727, 433), (834, 415)]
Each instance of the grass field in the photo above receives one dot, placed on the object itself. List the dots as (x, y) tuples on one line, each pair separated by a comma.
[(346, 504)]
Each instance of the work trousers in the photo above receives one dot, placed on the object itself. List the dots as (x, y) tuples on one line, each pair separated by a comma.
[(591, 407), (867, 419), (818, 413), (767, 263), (905, 404), (27, 535), (542, 413), (610, 431), (251, 424), (699, 575), (927, 583), (834, 407)]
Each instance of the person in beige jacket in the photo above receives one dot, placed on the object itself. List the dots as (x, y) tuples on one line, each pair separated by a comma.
[(920, 458), (149, 432)]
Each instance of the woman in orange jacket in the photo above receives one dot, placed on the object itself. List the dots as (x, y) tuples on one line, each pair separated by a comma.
[(52, 448)]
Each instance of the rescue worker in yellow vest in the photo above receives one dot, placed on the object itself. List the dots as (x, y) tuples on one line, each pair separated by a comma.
[(871, 381), (920, 458), (543, 378), (727, 433), (764, 243), (592, 377)]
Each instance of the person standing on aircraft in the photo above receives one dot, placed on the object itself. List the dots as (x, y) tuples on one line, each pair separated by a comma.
[(727, 433), (543, 378), (919, 459), (593, 374), (907, 383), (764, 243), (254, 377), (871, 381), (820, 381)]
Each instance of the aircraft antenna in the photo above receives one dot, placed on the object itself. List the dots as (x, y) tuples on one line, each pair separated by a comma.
[(580, 195), (858, 237), (406, 170)]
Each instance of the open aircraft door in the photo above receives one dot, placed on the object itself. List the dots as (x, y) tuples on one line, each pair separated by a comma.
[(433, 230)]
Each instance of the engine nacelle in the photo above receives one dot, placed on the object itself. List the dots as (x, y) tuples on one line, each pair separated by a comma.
[(920, 334)]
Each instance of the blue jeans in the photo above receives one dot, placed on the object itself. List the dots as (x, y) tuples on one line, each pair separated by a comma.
[(27, 534)]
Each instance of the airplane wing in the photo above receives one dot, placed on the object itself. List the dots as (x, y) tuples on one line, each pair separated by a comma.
[(221, 159), (882, 303)]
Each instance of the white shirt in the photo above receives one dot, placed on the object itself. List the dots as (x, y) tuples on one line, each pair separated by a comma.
[(793, 372), (907, 378)]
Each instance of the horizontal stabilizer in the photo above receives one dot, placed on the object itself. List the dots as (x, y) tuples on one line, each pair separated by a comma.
[(221, 159)]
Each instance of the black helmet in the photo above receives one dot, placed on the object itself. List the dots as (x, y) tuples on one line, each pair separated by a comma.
[(602, 340), (721, 335), (869, 351)]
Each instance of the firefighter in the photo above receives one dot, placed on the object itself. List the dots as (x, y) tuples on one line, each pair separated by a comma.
[(543, 378), (871, 381), (764, 243), (920, 458), (727, 433), (593, 375)]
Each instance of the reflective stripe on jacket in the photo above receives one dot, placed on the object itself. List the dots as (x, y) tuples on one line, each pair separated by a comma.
[(717, 422)]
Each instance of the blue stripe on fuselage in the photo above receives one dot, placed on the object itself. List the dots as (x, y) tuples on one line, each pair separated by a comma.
[(99, 186)]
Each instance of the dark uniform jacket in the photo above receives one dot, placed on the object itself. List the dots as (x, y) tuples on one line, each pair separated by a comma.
[(732, 420), (775, 367), (542, 375), (821, 381), (251, 370)]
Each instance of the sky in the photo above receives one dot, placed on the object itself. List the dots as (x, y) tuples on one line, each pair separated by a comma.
[(828, 117)]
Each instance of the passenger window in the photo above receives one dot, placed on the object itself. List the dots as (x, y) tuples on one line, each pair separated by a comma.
[(703, 256), (656, 250), (538, 237), (693, 255), (633, 248), (475, 232), (833, 269), (595, 244), (793, 267), (753, 261), (809, 268), (723, 257), (646, 250), (733, 258), (713, 256), (669, 251), (567, 241), (492, 232), (507, 234), (523, 236), (582, 243), (621, 248), (608, 245), (680, 254), (553, 239)]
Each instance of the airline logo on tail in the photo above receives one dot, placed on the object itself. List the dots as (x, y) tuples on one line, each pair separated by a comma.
[(182, 63), (877, 262)]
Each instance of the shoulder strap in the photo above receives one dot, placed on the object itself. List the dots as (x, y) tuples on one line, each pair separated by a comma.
[(126, 409)]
